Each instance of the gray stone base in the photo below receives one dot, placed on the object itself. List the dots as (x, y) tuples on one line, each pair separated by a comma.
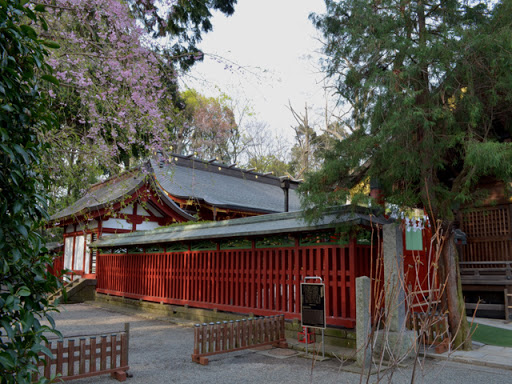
[(396, 346), (338, 337)]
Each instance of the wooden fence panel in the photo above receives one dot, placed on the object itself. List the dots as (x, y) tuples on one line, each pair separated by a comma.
[(77, 357), (263, 281), (214, 338)]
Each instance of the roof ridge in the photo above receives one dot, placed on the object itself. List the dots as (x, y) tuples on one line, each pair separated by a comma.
[(125, 174), (233, 170)]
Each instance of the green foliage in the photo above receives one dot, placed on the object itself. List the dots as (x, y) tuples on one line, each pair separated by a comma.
[(269, 163), (23, 203), (209, 127), (183, 21), (429, 87)]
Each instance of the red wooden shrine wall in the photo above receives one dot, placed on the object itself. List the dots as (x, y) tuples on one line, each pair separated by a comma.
[(262, 281)]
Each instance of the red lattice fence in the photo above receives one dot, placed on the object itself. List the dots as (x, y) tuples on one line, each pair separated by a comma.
[(262, 281)]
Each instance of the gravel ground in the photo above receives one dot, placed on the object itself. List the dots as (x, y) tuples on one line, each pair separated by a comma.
[(160, 353)]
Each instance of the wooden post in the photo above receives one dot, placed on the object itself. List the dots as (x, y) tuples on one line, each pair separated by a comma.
[(48, 365), (237, 334), (103, 353), (217, 336), (93, 357), (232, 341), (243, 333), (210, 337), (60, 356), (225, 336), (124, 350), (203, 338), (126, 344), (81, 365), (113, 348), (196, 339), (71, 357)]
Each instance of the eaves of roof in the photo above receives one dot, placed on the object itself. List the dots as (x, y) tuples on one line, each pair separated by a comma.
[(289, 222)]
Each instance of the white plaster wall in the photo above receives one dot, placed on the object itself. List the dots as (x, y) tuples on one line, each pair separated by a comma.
[(128, 210), (146, 225), (70, 228), (89, 225), (141, 211), (154, 211), (117, 224)]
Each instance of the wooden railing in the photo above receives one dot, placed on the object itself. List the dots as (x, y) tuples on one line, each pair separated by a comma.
[(261, 281), (214, 338), (76, 357), (486, 273)]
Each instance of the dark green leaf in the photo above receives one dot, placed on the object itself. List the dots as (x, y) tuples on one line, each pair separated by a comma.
[(23, 291), (7, 108), (7, 361), (22, 230), (51, 79), (29, 31), (50, 44)]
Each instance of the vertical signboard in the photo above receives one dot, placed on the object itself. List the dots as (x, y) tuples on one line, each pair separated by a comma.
[(312, 303)]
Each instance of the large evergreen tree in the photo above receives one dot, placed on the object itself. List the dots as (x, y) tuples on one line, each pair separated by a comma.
[(430, 90)]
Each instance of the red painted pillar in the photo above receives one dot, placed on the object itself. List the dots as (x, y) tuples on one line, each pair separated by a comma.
[(352, 270)]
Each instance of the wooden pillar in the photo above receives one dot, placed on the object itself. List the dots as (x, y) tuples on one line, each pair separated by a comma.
[(352, 282)]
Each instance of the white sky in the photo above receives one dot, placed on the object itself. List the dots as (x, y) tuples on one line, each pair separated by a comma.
[(277, 47)]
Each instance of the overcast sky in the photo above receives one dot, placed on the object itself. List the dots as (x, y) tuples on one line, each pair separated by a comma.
[(276, 46)]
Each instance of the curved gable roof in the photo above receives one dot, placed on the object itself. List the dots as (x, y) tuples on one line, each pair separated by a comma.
[(217, 185), (112, 191)]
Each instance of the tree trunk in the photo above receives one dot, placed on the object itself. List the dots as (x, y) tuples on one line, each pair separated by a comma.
[(459, 328)]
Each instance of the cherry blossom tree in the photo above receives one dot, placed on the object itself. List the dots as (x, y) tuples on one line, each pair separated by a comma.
[(117, 90)]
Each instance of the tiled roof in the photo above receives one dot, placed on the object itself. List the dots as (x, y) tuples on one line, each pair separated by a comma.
[(103, 194), (288, 222), (215, 184), (223, 187)]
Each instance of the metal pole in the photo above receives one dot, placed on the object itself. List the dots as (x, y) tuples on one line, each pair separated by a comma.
[(306, 337), (323, 344)]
